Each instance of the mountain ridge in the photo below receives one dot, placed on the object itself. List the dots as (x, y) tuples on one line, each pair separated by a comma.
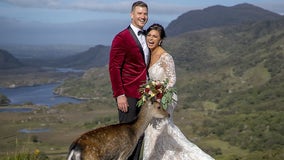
[(96, 56), (216, 16), (8, 61)]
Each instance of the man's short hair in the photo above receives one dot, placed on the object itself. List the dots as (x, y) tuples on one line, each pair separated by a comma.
[(140, 4)]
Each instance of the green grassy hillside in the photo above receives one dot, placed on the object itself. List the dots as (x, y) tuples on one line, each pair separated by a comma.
[(235, 74)]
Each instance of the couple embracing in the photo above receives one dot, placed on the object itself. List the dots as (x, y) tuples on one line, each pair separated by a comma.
[(135, 57)]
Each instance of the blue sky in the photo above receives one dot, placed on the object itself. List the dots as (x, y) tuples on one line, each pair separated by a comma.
[(92, 22)]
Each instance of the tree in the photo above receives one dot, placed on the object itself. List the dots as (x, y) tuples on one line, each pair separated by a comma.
[(4, 100)]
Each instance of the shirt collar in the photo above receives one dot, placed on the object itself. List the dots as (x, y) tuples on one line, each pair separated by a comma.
[(135, 29)]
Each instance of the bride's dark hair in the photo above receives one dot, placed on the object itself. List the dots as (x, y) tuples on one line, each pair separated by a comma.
[(158, 28)]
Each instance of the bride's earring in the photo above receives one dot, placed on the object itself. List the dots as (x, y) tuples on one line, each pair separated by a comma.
[(160, 43)]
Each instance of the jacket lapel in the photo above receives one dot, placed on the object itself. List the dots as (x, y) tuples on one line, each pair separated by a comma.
[(137, 41)]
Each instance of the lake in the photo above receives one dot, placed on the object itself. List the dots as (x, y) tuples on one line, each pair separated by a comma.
[(40, 95)]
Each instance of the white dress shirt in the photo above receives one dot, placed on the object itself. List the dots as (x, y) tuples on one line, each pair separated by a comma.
[(142, 40)]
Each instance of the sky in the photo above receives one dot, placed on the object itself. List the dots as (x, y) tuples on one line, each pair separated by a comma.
[(92, 22)]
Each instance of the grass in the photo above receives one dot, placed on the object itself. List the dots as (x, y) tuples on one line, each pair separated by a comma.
[(65, 122)]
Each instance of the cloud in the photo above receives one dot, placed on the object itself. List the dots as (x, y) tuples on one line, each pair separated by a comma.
[(277, 7), (114, 6), (117, 6), (34, 3), (125, 6), (94, 5), (87, 32)]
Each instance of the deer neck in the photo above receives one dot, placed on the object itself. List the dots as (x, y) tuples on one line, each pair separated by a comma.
[(143, 120)]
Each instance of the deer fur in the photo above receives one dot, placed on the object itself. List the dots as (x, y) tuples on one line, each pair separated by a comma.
[(115, 142)]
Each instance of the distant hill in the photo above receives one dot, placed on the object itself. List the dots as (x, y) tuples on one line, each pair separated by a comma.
[(43, 51), (239, 70), (42, 55), (233, 59), (217, 16), (97, 56), (240, 45), (8, 61)]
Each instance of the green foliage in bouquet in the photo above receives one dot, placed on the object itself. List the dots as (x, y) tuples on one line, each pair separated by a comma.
[(158, 90)]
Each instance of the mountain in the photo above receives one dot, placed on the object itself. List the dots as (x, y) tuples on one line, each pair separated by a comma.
[(8, 61), (97, 56), (216, 16), (236, 75), (232, 59), (24, 52)]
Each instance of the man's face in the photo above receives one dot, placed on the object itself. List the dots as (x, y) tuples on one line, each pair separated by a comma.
[(139, 16)]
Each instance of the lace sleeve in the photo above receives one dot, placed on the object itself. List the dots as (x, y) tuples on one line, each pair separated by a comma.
[(169, 67)]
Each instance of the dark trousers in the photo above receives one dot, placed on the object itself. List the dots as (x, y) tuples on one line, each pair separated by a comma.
[(125, 117)]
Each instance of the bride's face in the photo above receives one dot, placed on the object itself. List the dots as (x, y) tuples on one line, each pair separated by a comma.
[(153, 38)]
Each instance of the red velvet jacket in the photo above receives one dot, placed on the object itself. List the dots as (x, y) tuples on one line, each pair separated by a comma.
[(127, 67)]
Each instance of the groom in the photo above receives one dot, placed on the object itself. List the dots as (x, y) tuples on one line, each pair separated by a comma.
[(129, 57)]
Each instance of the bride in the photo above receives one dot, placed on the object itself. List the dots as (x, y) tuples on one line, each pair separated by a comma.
[(163, 139)]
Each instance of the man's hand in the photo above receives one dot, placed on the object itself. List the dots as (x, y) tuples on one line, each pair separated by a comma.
[(122, 103)]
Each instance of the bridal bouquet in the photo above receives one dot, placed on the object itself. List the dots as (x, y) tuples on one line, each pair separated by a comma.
[(158, 90)]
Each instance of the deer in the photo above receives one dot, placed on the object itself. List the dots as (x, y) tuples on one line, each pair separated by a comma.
[(116, 141)]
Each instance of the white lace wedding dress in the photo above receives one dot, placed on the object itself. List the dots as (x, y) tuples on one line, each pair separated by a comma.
[(163, 139)]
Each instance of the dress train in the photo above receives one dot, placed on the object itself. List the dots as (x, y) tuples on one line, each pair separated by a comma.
[(164, 141)]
